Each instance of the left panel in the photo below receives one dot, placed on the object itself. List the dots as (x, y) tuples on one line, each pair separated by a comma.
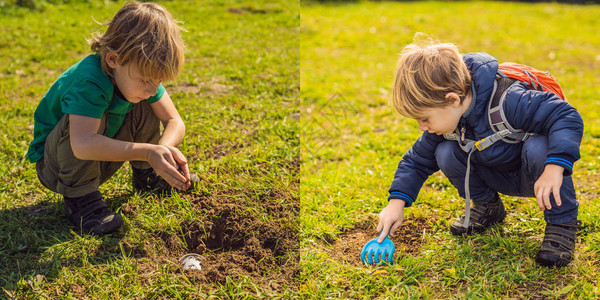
[(238, 96)]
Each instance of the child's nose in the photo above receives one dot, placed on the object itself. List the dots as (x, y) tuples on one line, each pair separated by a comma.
[(422, 126)]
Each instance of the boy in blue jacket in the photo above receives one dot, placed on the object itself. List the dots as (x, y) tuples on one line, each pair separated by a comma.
[(449, 94)]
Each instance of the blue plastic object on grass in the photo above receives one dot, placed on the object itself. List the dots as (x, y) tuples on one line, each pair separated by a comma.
[(374, 252)]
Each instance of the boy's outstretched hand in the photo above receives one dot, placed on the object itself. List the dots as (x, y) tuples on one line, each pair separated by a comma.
[(167, 161), (390, 218), (549, 182)]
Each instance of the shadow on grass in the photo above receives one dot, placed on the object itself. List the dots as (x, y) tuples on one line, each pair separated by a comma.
[(37, 241)]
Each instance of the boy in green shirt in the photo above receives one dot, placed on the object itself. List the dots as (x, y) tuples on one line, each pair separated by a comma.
[(107, 109)]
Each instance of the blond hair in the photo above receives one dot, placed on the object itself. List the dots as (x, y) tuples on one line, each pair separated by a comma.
[(425, 73), (145, 34)]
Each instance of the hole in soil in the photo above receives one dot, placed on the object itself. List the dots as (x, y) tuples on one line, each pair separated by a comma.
[(408, 240), (259, 240)]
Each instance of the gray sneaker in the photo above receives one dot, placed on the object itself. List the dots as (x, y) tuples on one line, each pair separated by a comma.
[(483, 215), (91, 215)]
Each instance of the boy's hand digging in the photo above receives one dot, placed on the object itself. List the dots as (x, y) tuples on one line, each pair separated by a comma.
[(181, 166), (165, 164), (390, 218)]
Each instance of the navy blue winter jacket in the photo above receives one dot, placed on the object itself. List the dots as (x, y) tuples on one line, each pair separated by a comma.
[(530, 110)]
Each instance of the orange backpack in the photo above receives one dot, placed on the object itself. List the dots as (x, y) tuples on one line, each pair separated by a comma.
[(535, 79), (512, 73)]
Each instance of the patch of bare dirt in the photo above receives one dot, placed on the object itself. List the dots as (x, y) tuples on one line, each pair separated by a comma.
[(236, 238), (588, 187), (211, 87), (250, 9), (407, 239), (219, 150), (79, 291)]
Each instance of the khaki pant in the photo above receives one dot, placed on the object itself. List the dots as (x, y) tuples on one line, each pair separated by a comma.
[(60, 171)]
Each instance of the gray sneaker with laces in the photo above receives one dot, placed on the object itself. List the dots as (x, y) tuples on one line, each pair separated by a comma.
[(483, 215)]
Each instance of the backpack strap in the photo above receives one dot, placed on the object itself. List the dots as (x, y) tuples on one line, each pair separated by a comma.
[(465, 144), (496, 116), (502, 132), (497, 120)]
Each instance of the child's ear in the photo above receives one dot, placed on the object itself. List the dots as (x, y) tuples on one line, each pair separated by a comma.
[(112, 59), (453, 99)]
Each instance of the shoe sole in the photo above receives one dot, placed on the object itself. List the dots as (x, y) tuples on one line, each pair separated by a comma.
[(109, 227), (548, 259)]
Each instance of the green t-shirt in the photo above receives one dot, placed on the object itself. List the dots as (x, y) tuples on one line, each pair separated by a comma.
[(81, 90)]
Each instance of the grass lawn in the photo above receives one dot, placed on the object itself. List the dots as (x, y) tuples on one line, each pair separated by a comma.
[(352, 140), (238, 95)]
